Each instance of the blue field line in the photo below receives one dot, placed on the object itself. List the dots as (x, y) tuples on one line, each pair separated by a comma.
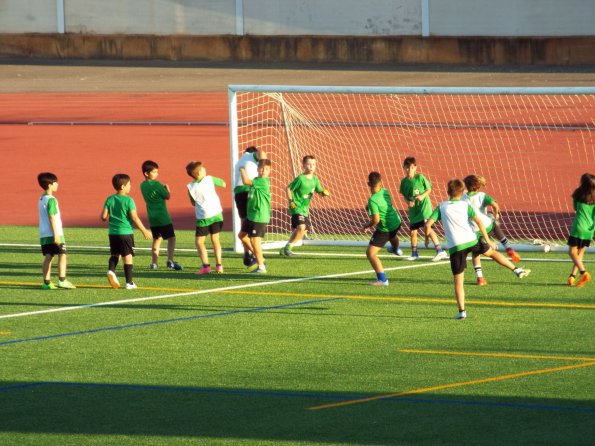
[(296, 395), (166, 321)]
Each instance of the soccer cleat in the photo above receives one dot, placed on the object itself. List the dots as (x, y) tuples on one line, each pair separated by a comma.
[(286, 251), (585, 277), (398, 252), (522, 272), (413, 256), (513, 255), (440, 255), (481, 281), (153, 266), (259, 270), (173, 265), (571, 280), (131, 286), (204, 270), (66, 284), (248, 258), (253, 266), (113, 280), (379, 283), (461, 315), (219, 269), (49, 286)]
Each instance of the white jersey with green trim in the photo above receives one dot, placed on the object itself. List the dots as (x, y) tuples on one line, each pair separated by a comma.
[(479, 202), (207, 203), (47, 204), (456, 218), (249, 163)]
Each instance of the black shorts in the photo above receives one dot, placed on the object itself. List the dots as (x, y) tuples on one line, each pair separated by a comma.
[(418, 225), (298, 219), (121, 245), (578, 242), (165, 232), (53, 249), (254, 229), (380, 238), (241, 200), (214, 228), (458, 260)]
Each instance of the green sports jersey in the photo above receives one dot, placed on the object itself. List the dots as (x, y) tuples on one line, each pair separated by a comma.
[(302, 189), (119, 207), (583, 225), (155, 194), (411, 188), (259, 200), (380, 203)]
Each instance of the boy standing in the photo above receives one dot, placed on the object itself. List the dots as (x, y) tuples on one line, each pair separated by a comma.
[(155, 194), (120, 209), (416, 189), (208, 211), (387, 221), (249, 162), (456, 216), (51, 234), (299, 193), (258, 213)]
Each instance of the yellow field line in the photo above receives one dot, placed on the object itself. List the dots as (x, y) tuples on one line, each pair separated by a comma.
[(5, 332), (330, 296), (448, 386), (497, 355)]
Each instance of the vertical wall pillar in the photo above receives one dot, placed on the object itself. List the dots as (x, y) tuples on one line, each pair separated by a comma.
[(425, 18), (60, 16), (239, 17)]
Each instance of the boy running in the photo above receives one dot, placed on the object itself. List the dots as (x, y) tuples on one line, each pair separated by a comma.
[(456, 216), (299, 194)]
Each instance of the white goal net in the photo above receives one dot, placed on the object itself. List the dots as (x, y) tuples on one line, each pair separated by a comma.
[(531, 144)]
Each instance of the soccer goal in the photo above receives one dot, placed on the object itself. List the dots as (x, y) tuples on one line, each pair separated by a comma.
[(531, 144)]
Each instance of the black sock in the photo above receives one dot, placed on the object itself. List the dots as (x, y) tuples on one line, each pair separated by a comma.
[(128, 273), (62, 279), (47, 282), (583, 271), (113, 262)]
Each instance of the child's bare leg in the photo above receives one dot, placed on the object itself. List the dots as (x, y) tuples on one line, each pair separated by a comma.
[(201, 249), (257, 250), (155, 250), (216, 248), (298, 234), (62, 266), (171, 247), (499, 258), (46, 267), (459, 282), (414, 239), (372, 254), (576, 254), (243, 236)]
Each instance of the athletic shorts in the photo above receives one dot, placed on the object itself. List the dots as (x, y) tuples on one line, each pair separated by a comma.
[(458, 260), (578, 242), (214, 228), (53, 249), (121, 245), (165, 232), (241, 200), (298, 219), (418, 225), (254, 229), (380, 238)]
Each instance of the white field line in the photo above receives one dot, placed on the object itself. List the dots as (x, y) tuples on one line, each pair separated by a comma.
[(213, 290)]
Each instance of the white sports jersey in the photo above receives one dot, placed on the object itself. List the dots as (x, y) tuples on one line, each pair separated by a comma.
[(207, 203), (478, 202), (248, 162), (45, 227), (456, 218)]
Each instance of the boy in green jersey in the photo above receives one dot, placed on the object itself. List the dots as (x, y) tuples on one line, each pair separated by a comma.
[(51, 234), (156, 194), (258, 214), (457, 217), (387, 221), (208, 212), (416, 189), (583, 228), (299, 194), (120, 209)]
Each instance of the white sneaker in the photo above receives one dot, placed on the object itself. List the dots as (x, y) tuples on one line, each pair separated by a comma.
[(522, 272), (413, 257), (113, 280), (153, 266), (398, 252), (131, 286), (379, 283), (461, 315), (440, 256)]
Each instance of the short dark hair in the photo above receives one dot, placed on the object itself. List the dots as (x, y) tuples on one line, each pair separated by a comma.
[(307, 158), (149, 166), (251, 149), (409, 161), (119, 180), (374, 178), (455, 187), (45, 179), (192, 167), (264, 162)]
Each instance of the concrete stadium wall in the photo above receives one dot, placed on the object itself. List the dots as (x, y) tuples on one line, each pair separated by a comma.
[(511, 18)]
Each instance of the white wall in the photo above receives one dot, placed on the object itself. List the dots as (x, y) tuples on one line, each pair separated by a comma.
[(28, 16)]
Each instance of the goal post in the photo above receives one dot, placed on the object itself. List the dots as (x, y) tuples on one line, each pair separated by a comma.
[(531, 144)]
